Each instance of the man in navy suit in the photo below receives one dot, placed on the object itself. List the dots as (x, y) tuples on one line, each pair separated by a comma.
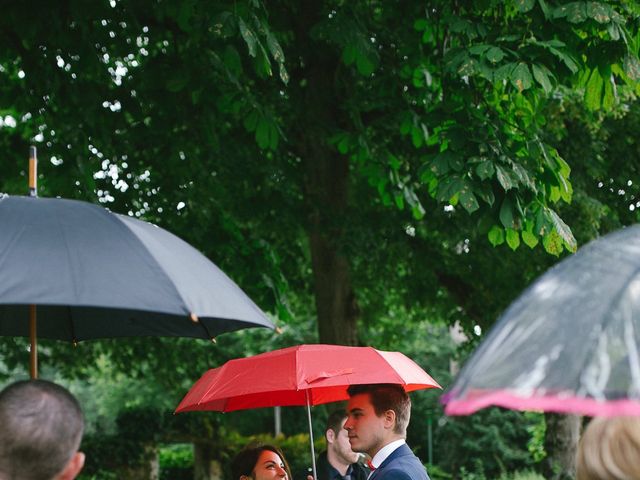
[(378, 416)]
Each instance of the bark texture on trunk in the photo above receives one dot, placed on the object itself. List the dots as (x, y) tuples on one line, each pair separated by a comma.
[(561, 443), (326, 183), (205, 467)]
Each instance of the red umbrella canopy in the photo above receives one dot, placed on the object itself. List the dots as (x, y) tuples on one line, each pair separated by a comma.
[(285, 377)]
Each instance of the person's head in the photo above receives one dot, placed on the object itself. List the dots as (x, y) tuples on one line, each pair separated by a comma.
[(377, 414), (338, 446), (260, 462), (41, 426), (609, 449)]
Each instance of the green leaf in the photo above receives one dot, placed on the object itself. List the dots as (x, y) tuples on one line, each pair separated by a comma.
[(614, 31), (495, 54), (468, 199), (467, 67), (564, 231), (525, 5), (593, 90), (521, 77), (496, 236), (503, 73), (344, 144), (274, 47), (529, 239), (231, 60), (513, 239), (575, 12), (609, 97), (486, 194), (565, 57), (523, 176), (349, 54), (485, 170), (251, 121), (405, 126), (506, 214), (420, 24), (541, 74), (631, 67), (552, 243), (440, 165), (248, 36), (545, 9), (418, 211), (365, 65), (262, 133), (399, 200), (263, 64), (504, 178), (479, 49), (417, 137), (600, 12), (448, 188)]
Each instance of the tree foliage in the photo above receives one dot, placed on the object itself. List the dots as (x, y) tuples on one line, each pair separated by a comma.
[(367, 156)]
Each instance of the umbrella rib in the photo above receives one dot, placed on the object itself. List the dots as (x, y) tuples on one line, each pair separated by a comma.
[(72, 327), (206, 330)]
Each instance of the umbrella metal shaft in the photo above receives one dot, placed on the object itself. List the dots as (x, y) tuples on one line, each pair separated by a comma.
[(33, 352), (313, 452)]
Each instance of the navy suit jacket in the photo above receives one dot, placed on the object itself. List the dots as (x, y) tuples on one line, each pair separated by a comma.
[(402, 464)]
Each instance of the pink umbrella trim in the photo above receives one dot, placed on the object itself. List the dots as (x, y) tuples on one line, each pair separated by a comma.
[(563, 402)]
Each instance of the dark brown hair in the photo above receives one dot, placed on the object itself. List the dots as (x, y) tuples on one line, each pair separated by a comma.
[(387, 396), (245, 461)]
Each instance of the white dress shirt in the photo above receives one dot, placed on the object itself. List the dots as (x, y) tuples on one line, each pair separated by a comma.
[(385, 451)]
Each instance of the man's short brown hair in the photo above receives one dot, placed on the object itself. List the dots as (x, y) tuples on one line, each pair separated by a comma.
[(387, 396)]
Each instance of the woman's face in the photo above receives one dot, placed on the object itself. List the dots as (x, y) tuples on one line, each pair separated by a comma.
[(269, 466)]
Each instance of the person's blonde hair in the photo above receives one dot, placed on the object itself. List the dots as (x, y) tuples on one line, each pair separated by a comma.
[(610, 450)]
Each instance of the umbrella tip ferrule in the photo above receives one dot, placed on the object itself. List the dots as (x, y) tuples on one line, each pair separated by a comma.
[(193, 317), (213, 340)]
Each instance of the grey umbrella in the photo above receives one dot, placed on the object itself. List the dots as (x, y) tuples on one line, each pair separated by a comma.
[(96, 274), (570, 343)]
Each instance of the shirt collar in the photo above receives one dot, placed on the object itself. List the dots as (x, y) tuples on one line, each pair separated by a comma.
[(385, 451)]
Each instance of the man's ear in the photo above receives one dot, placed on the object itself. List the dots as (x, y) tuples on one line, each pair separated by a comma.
[(330, 435), (389, 418), (73, 467)]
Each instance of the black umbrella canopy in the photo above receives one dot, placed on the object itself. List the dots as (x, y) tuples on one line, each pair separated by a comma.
[(96, 274)]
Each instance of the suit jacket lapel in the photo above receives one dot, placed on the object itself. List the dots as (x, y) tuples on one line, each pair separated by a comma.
[(401, 450)]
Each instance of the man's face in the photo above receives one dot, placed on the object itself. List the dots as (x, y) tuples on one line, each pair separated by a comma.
[(365, 429), (341, 446)]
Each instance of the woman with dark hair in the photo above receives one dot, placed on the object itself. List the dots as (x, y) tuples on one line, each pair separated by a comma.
[(261, 462)]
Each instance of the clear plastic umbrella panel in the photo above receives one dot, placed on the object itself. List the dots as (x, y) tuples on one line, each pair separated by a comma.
[(569, 344)]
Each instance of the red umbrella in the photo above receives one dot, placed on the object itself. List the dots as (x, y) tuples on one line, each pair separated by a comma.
[(301, 375)]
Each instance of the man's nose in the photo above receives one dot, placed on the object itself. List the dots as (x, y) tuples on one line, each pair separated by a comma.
[(347, 425)]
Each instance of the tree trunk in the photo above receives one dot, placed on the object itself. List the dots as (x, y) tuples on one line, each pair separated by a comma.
[(204, 465), (326, 183), (561, 443), (149, 469)]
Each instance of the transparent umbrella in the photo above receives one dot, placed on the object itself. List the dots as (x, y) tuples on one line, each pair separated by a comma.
[(569, 344)]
